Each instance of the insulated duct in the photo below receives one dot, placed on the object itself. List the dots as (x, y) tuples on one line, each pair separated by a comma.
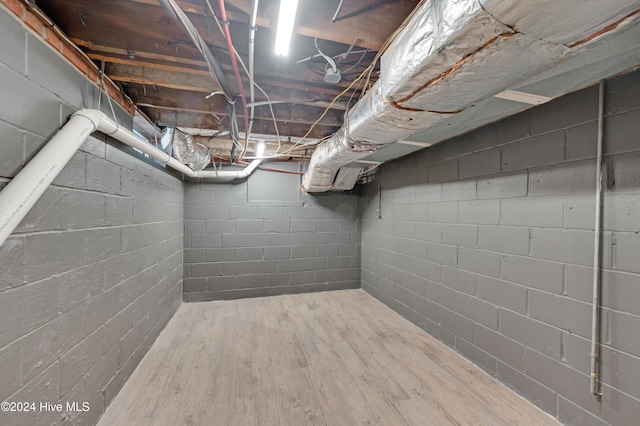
[(451, 55), (185, 149)]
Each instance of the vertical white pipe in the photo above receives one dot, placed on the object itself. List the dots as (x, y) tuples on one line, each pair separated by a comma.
[(24, 190), (595, 317), (252, 41)]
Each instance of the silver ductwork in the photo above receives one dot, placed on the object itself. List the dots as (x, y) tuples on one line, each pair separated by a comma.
[(185, 149), (451, 55)]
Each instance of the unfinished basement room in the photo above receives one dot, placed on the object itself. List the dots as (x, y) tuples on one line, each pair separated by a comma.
[(337, 212)]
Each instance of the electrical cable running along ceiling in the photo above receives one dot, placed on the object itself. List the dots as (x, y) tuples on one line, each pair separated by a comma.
[(147, 48)]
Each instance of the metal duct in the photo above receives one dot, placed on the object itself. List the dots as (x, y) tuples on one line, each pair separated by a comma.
[(186, 150), (451, 55)]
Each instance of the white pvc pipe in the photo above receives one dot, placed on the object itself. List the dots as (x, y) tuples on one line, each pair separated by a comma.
[(597, 253), (24, 190)]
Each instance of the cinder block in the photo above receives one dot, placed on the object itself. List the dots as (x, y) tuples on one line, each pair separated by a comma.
[(443, 172), (79, 360), (263, 267), (203, 270), (510, 129), (456, 324), (503, 239), (542, 212), (459, 280), (12, 259), (531, 333), (479, 164), (561, 312), (569, 246), (276, 253), (479, 261), (505, 185), (426, 231), (18, 92), (194, 285), (213, 212), (621, 212), (459, 190), (579, 212), (50, 254), (623, 173), (478, 310), (540, 395), (538, 151), (620, 408), (102, 175), (248, 253), (10, 372), (12, 150), (45, 215), (479, 357), (480, 212), (428, 192), (619, 326), (620, 291), (197, 226), (219, 226), (251, 281), (582, 141), (571, 414), (118, 211), (563, 179), (210, 241), (578, 282), (270, 212), (224, 198), (412, 212), (276, 225), (243, 212), (620, 132), (532, 273), (442, 295), (503, 294), (443, 212), (443, 254), (278, 279), (79, 286), (566, 111), (13, 35), (561, 378), (506, 350), (45, 387), (622, 93)]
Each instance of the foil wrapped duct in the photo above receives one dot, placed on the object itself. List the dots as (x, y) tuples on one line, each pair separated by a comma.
[(186, 150)]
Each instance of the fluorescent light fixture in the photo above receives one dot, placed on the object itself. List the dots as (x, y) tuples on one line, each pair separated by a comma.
[(286, 17), (260, 149)]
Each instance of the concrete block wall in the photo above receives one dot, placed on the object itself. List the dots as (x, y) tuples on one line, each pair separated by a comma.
[(235, 248), (486, 241), (93, 273)]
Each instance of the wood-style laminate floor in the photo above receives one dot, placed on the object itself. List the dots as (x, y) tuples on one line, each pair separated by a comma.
[(333, 358)]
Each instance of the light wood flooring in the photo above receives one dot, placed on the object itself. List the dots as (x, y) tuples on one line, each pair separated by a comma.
[(333, 358)]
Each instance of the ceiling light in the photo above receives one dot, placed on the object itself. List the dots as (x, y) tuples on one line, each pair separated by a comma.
[(260, 149), (286, 17)]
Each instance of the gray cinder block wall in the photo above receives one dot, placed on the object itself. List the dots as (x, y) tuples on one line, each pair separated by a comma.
[(239, 242), (93, 273), (486, 241)]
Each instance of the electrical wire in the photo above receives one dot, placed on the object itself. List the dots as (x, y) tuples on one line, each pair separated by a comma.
[(252, 80), (331, 104), (236, 71)]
